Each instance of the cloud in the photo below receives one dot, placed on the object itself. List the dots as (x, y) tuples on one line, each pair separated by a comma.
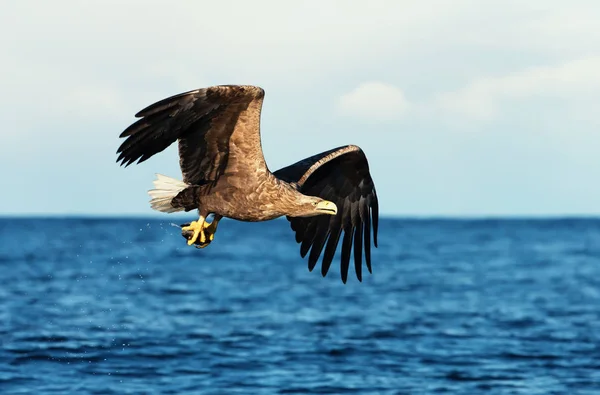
[(483, 98), (265, 38), (79, 71), (157, 50), (374, 101)]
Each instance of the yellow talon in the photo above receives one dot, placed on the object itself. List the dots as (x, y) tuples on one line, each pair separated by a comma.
[(209, 233), (198, 228), (202, 232), (211, 229)]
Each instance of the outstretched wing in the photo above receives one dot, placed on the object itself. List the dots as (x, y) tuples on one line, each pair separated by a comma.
[(203, 120), (342, 176)]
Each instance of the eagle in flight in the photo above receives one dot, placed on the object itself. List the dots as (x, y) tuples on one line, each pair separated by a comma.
[(225, 174)]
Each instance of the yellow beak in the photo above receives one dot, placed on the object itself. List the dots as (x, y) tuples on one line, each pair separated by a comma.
[(327, 207)]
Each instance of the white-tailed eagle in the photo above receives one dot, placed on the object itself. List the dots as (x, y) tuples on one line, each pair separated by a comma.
[(327, 197)]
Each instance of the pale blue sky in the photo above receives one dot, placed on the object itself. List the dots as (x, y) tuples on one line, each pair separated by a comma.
[(463, 107)]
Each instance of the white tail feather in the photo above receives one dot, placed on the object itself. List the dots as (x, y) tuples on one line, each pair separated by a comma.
[(166, 188)]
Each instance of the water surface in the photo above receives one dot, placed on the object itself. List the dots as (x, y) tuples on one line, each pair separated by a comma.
[(124, 306)]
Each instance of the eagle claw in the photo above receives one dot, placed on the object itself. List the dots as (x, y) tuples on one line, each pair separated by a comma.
[(205, 236)]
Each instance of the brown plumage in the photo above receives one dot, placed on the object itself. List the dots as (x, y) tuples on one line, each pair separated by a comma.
[(225, 174)]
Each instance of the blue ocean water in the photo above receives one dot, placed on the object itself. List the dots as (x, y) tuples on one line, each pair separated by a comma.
[(124, 306)]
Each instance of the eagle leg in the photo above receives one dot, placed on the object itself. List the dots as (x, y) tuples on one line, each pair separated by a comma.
[(197, 227), (210, 229), (204, 236)]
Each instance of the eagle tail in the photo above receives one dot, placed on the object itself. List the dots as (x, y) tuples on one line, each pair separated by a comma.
[(165, 189)]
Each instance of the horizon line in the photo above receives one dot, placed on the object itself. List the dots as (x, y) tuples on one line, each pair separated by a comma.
[(424, 217)]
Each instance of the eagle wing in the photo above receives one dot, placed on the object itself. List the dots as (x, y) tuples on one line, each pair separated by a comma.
[(340, 175), (203, 121)]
